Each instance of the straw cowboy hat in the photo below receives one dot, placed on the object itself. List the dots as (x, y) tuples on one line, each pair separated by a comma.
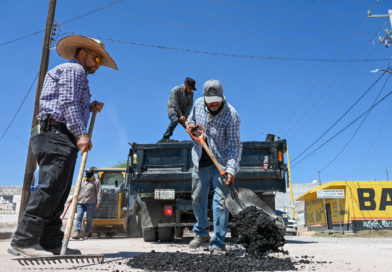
[(67, 47)]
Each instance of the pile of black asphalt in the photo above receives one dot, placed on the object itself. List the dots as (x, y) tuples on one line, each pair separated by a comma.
[(258, 232), (258, 235), (179, 261)]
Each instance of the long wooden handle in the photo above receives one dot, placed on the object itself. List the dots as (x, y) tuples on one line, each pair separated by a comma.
[(215, 161), (77, 190)]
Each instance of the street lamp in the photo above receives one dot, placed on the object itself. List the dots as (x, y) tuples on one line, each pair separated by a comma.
[(380, 70)]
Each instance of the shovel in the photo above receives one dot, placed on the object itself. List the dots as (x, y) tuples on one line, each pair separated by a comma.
[(62, 256), (236, 201)]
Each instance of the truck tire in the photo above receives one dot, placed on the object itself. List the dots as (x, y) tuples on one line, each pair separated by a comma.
[(179, 232), (150, 235), (234, 232), (166, 234)]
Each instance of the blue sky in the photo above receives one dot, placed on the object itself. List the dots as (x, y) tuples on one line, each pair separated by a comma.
[(265, 92)]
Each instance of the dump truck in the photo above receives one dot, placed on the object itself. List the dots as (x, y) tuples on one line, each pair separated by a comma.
[(158, 179), (114, 217)]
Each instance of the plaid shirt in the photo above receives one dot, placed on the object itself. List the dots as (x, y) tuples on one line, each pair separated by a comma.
[(223, 135), (65, 97)]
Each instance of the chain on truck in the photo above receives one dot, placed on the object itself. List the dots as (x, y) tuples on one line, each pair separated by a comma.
[(157, 192)]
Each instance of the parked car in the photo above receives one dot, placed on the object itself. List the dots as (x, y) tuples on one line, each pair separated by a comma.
[(291, 226), (284, 216)]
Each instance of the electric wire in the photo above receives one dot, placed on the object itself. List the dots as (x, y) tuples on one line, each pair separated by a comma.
[(225, 82), (247, 21), (322, 76), (374, 141), (19, 108), (333, 176), (360, 125), (339, 118), (229, 55), (222, 32), (15, 136), (287, 11), (343, 129), (64, 22), (307, 136), (338, 90)]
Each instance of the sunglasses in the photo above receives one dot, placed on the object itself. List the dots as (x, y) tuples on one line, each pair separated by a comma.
[(98, 60)]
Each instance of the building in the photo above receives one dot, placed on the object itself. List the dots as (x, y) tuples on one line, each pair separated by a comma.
[(367, 206), (283, 201)]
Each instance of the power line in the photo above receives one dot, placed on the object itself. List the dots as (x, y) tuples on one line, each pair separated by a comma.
[(360, 125), (286, 11), (339, 118), (330, 114), (230, 55), (64, 22), (222, 32), (325, 72), (343, 128), (338, 90), (19, 108), (14, 136), (247, 21), (370, 148), (333, 176)]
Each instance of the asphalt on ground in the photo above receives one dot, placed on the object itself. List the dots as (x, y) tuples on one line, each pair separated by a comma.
[(340, 254)]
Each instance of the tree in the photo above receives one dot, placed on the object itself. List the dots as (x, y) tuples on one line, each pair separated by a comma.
[(120, 164)]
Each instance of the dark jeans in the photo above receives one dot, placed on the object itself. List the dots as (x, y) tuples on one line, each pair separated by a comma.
[(55, 151), (173, 124)]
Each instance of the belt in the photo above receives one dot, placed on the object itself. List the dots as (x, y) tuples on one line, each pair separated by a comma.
[(53, 122)]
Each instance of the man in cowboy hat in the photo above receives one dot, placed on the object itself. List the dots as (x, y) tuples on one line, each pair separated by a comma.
[(64, 112), (221, 124), (179, 106)]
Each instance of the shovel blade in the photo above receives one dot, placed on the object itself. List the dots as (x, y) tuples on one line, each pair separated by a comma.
[(248, 198)]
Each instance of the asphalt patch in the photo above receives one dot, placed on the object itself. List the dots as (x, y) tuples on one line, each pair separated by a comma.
[(258, 233), (179, 261)]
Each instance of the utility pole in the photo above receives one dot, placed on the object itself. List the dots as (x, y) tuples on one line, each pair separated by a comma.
[(320, 177), (31, 164), (387, 40), (386, 167)]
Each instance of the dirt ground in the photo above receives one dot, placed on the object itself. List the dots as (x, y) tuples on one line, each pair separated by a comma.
[(340, 254)]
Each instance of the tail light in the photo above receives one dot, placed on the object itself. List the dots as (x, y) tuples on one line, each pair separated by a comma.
[(265, 163), (280, 156), (168, 210)]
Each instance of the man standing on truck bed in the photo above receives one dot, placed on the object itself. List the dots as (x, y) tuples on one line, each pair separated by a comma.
[(90, 196), (179, 106), (221, 124), (64, 112)]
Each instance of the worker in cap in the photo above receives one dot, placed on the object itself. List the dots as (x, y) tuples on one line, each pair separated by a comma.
[(90, 197), (221, 124), (64, 112), (179, 106)]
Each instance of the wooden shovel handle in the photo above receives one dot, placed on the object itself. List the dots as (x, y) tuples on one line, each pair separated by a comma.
[(79, 181)]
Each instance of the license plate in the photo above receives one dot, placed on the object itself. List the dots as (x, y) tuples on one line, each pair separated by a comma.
[(164, 194), (284, 215)]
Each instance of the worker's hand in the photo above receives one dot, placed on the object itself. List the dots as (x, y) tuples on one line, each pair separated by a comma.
[(231, 180), (182, 119), (191, 125), (84, 144), (99, 106), (98, 206)]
